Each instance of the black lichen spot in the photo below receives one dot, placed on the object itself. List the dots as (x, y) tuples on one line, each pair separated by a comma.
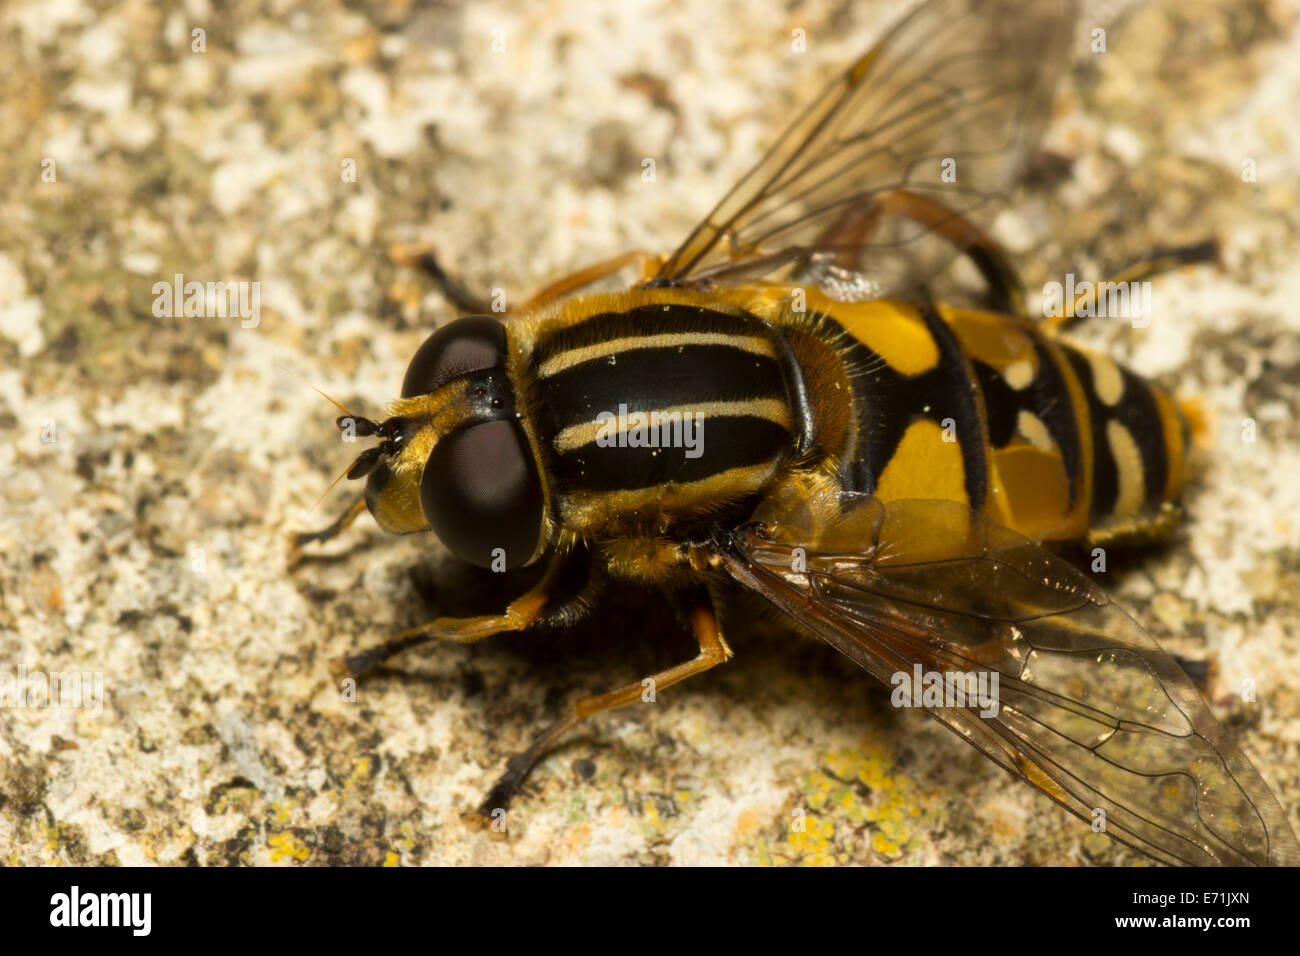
[(220, 790), (332, 843), (234, 851), (133, 819), (130, 618)]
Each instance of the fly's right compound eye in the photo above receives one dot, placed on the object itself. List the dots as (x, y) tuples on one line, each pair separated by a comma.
[(481, 491), (466, 345)]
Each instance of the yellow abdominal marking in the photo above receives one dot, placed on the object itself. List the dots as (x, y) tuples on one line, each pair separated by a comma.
[(893, 331), (1019, 375), (924, 466), (1032, 430), (1128, 466), (1106, 379)]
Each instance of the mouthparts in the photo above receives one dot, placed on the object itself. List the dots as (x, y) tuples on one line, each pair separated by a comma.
[(369, 459)]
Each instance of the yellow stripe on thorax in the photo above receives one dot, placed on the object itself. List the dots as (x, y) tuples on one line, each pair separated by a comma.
[(613, 347)]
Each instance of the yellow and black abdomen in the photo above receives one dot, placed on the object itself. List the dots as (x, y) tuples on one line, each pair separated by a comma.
[(657, 403), (1049, 439), (1139, 441), (654, 407)]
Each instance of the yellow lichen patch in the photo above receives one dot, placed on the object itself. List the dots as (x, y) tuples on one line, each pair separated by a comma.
[(853, 809), (652, 815), (52, 838), (236, 799), (360, 774), (286, 847), (404, 845), (651, 822), (810, 844)]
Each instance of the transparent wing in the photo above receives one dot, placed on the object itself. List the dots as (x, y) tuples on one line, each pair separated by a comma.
[(853, 196), (1089, 709)]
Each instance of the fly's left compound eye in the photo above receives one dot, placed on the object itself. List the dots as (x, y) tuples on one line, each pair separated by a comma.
[(470, 344), (481, 491)]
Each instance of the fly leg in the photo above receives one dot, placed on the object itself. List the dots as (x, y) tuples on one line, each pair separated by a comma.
[(553, 602), (325, 534), (1156, 262), (593, 273), (1006, 291), (859, 220), (422, 256), (713, 651)]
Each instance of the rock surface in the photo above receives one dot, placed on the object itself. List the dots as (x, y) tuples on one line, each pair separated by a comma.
[(154, 466)]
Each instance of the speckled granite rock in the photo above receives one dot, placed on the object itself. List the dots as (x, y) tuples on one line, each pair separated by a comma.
[(153, 466)]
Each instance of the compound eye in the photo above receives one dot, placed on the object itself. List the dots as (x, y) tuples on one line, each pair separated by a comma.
[(466, 345), (481, 491)]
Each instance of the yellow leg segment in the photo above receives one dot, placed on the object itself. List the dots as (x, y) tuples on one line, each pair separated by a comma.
[(713, 651)]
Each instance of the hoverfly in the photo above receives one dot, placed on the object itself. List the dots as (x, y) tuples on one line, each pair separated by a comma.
[(780, 406)]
